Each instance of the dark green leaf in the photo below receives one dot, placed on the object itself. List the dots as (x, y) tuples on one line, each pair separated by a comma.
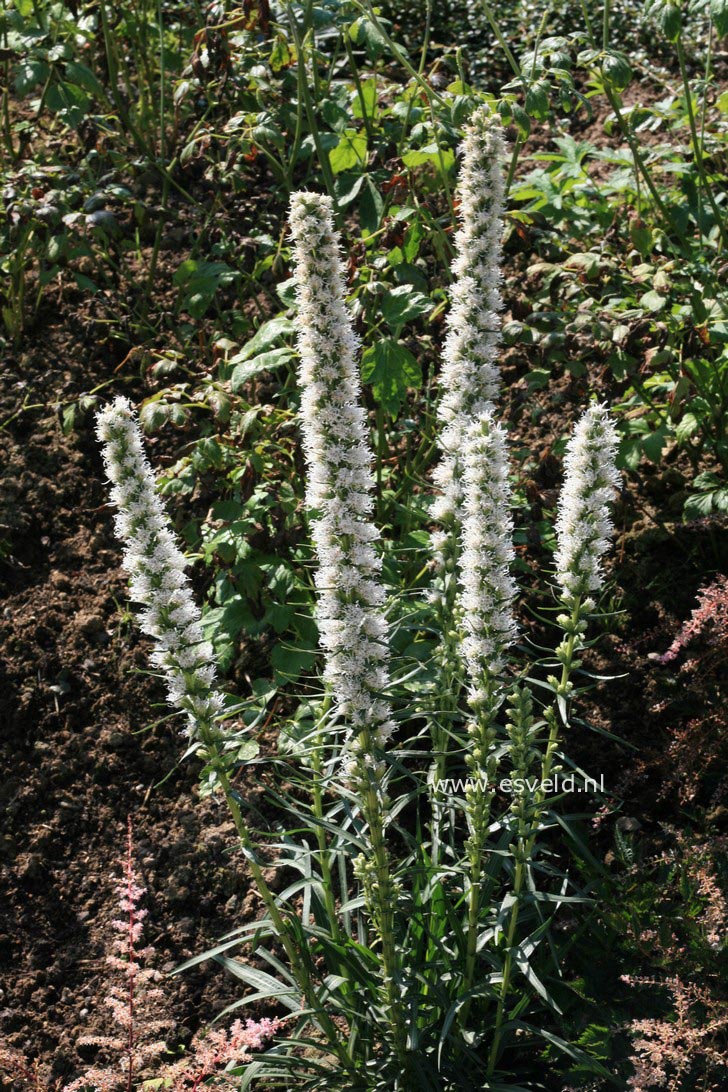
[(617, 70), (719, 14), (265, 362), (402, 304), (391, 369), (698, 505)]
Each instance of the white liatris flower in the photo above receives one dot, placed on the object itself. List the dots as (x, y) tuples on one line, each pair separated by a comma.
[(584, 525), (487, 589), (470, 376), (156, 568), (352, 625)]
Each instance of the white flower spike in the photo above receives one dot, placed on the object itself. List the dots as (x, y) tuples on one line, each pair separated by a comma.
[(156, 567), (470, 376), (584, 525), (352, 626), (487, 589)]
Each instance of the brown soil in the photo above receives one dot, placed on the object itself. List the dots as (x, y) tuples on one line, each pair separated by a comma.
[(81, 746)]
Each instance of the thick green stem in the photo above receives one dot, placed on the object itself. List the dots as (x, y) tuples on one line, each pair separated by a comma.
[(367, 121), (605, 25), (502, 41), (383, 907), (508, 963), (322, 154), (318, 811), (483, 768)]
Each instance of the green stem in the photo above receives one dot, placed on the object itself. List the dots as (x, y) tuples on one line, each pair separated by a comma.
[(525, 841), (384, 905), (359, 89), (641, 165), (447, 698), (321, 153), (479, 810), (587, 23), (298, 966), (432, 95), (162, 117), (318, 811), (605, 25), (513, 164), (495, 27), (697, 146), (508, 963)]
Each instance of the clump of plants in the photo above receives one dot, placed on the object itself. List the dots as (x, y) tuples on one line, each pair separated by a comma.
[(413, 942)]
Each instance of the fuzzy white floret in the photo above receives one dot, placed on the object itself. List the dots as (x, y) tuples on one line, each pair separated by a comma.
[(352, 627), (470, 376), (157, 569), (584, 524), (487, 590)]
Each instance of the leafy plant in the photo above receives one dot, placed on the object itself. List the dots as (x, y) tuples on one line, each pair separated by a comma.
[(439, 954)]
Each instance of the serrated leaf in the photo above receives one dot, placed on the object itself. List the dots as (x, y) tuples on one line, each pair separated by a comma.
[(686, 428), (264, 362), (153, 415), (698, 505), (83, 76), (707, 480), (588, 262), (629, 454), (364, 32), (442, 158), (653, 301), (371, 205), (247, 751), (404, 303), (391, 369), (617, 70), (537, 100), (653, 444), (199, 281), (669, 18)]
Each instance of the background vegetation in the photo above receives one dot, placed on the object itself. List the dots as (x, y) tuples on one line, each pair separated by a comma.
[(149, 150)]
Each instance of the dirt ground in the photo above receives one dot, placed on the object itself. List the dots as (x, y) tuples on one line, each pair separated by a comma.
[(78, 752)]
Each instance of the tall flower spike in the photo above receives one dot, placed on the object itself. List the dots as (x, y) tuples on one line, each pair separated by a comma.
[(487, 589), (470, 376), (352, 626), (584, 525), (156, 567)]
